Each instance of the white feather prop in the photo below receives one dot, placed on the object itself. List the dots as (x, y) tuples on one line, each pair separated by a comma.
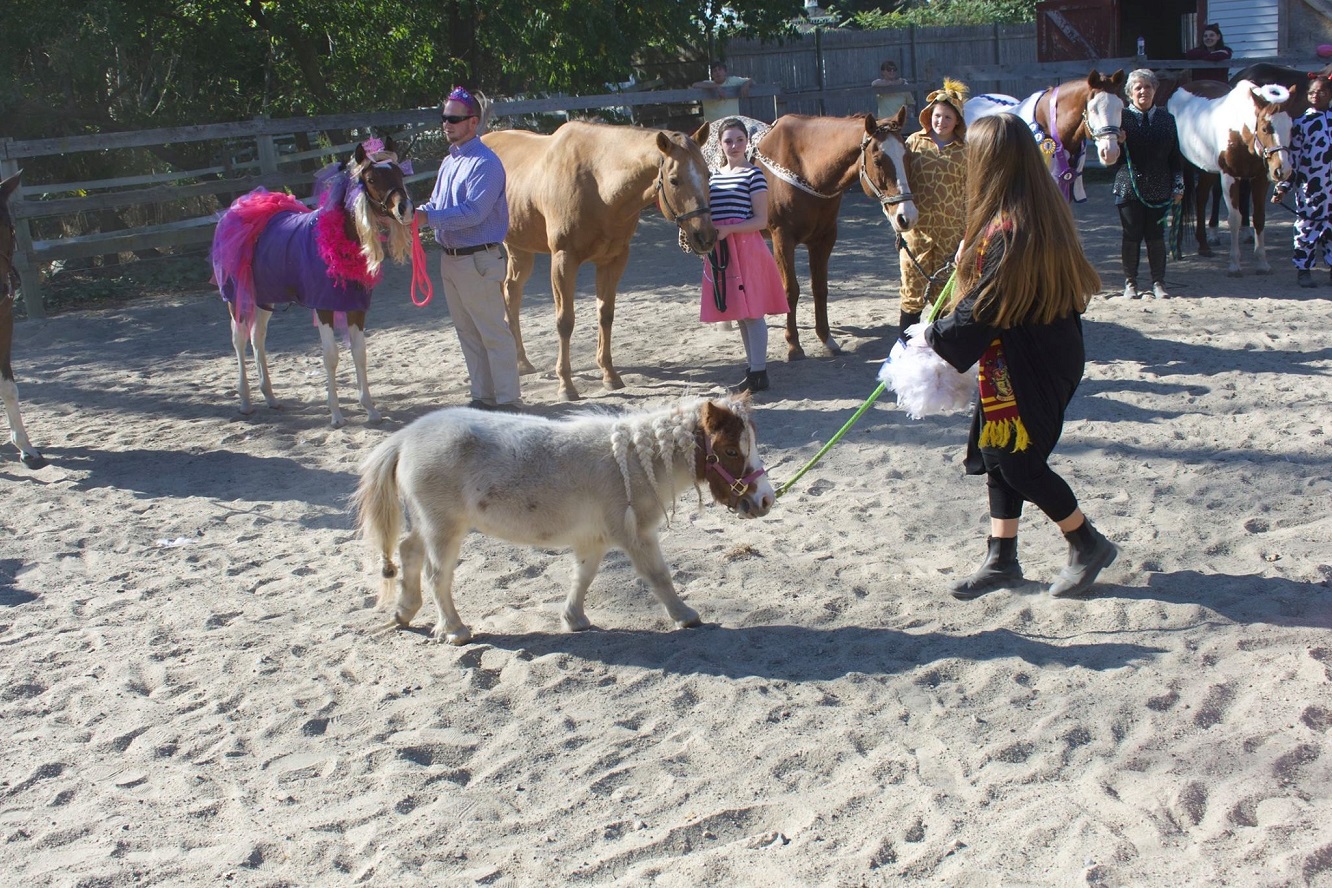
[(926, 384)]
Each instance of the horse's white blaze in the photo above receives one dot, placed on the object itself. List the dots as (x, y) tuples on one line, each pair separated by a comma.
[(1105, 112), (902, 216)]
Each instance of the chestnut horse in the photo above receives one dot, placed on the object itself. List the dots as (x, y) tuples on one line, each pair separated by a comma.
[(1062, 118), (809, 163), (590, 483), (1238, 133), (8, 289), (577, 195), (269, 248)]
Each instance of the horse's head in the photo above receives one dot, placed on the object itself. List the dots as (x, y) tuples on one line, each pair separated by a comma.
[(1270, 137), (376, 167), (1103, 117), (682, 188), (883, 170), (7, 239), (728, 457)]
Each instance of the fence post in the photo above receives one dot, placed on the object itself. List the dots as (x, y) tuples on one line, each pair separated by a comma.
[(266, 150), (25, 263)]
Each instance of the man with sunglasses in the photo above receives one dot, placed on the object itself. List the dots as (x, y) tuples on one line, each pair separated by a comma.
[(470, 215)]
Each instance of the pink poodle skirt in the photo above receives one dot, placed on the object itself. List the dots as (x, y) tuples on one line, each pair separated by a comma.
[(753, 287)]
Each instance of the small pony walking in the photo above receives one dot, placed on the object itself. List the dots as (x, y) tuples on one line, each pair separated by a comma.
[(589, 483), (270, 249)]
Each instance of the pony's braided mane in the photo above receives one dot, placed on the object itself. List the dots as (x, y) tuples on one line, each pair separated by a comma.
[(657, 441)]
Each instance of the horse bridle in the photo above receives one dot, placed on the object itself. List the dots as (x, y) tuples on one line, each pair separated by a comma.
[(671, 214), (380, 205), (736, 486), (886, 200)]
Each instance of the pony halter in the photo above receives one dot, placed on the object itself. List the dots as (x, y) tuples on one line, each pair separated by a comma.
[(737, 486), (886, 200), (671, 214)]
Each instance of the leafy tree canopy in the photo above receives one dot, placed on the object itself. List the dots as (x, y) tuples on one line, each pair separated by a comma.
[(870, 14)]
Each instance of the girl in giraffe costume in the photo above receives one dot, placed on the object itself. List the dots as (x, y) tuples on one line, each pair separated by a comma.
[(938, 176)]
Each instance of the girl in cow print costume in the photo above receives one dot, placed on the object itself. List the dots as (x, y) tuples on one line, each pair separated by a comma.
[(1311, 155)]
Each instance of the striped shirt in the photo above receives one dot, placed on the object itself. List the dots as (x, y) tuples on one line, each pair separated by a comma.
[(469, 206), (731, 193)]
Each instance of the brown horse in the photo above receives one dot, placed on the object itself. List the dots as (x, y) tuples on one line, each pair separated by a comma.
[(1063, 117), (810, 162), (1239, 133), (577, 195), (8, 287)]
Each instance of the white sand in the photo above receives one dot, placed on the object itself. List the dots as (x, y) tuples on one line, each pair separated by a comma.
[(195, 690)]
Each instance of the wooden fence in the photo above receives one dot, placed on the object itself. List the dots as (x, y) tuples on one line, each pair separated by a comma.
[(826, 72)]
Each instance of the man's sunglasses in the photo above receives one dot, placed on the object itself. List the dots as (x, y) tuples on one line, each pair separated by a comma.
[(456, 118)]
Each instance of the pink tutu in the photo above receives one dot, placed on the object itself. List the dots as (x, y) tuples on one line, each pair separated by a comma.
[(753, 284)]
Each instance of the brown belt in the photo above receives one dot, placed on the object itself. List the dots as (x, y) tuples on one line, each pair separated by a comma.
[(467, 251)]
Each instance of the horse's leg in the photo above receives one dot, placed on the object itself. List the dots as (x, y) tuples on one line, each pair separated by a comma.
[(563, 279), (259, 344), (1258, 195), (440, 561), (608, 278), (645, 554), (9, 390), (819, 253), (515, 279), (328, 341), (1230, 189), (1206, 188), (783, 250), (356, 333), (411, 552), (587, 561)]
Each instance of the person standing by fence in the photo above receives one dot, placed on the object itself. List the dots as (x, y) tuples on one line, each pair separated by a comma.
[(891, 92), (725, 91), (469, 212)]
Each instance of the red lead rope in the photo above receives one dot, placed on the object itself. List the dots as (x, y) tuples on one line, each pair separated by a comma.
[(420, 277)]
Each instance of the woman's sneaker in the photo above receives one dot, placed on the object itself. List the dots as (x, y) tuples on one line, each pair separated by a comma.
[(1131, 290), (1159, 291)]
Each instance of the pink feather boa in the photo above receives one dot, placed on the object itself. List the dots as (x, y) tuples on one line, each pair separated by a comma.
[(340, 253)]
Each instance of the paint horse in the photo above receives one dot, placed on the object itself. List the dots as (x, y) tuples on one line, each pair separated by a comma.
[(809, 163), (1062, 118), (8, 289), (1240, 133), (577, 194), (591, 483), (270, 249)]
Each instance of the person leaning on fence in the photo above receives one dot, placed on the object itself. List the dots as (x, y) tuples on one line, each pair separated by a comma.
[(939, 187), (1212, 49), (1023, 283), (1311, 157), (469, 211), (1149, 179), (725, 91), (741, 282), (892, 93)]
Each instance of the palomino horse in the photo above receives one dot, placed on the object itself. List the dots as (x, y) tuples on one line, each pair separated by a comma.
[(1062, 118), (270, 249), (810, 162), (590, 483), (8, 288), (1238, 133), (577, 195)]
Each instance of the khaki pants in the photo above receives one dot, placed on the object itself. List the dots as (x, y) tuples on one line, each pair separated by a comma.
[(474, 293)]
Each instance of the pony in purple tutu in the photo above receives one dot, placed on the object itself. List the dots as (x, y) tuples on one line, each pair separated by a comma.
[(269, 249)]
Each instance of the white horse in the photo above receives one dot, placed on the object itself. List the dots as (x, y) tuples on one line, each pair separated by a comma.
[(590, 483), (1240, 132)]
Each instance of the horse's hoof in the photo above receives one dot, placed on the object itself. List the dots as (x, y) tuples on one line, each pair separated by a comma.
[(32, 460), (613, 383), (247, 410), (337, 422), (525, 368), (374, 417), (795, 354), (569, 394), (458, 637), (832, 346), (579, 624), (688, 620)]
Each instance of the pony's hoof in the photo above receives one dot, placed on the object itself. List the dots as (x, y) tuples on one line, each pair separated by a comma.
[(569, 394), (688, 620), (576, 624), (246, 410), (337, 422), (32, 460), (613, 383), (458, 637), (373, 416), (832, 346), (795, 354), (525, 368)]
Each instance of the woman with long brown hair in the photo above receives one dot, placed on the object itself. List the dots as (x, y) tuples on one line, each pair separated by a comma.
[(1023, 282)]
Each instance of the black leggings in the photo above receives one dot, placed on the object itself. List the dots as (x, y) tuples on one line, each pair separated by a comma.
[(1015, 478), (1142, 223)]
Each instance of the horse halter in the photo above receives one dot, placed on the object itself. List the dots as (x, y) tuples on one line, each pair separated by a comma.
[(671, 214), (381, 205), (886, 200), (736, 486)]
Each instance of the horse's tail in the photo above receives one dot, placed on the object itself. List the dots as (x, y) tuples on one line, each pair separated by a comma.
[(379, 510), (1186, 209)]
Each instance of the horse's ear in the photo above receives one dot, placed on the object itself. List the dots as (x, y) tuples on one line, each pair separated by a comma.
[(701, 134), (359, 153), (1117, 78), (664, 142), (1094, 78), (390, 145), (7, 187), (900, 119)]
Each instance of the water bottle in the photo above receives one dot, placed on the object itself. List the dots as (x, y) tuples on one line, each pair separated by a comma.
[(1142, 47)]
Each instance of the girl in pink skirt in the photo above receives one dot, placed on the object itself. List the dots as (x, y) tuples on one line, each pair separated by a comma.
[(740, 278)]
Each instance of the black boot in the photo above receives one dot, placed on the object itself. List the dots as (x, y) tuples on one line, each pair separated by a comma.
[(1089, 552), (907, 319), (1000, 570), (754, 381)]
